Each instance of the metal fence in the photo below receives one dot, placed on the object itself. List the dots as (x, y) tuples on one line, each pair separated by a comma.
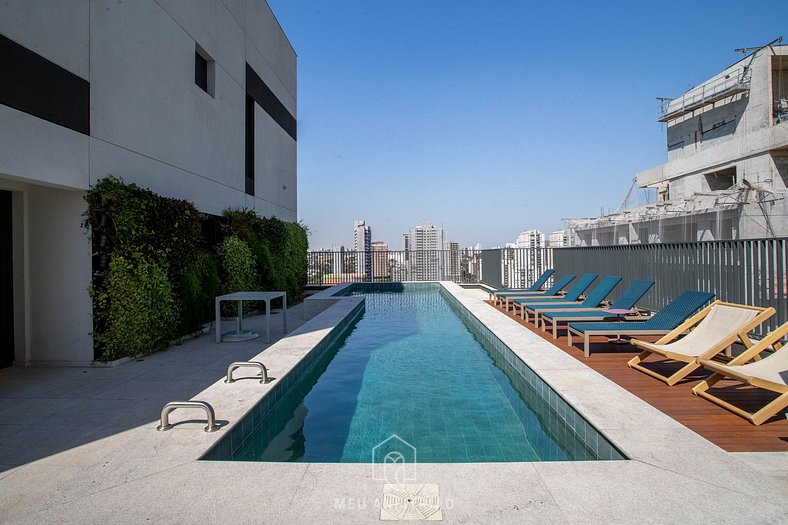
[(751, 271), (334, 267), (505, 267)]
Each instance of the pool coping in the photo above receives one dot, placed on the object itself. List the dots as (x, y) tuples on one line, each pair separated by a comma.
[(673, 474)]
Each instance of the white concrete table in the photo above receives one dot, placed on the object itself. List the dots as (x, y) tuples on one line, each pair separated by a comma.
[(245, 335)]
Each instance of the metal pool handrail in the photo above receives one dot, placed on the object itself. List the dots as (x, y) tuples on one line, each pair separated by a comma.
[(252, 364), (164, 424)]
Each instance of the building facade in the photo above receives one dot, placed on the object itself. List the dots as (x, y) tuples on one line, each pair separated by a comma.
[(194, 100), (558, 239), (362, 244), (452, 261), (424, 247), (726, 175), (380, 261), (524, 260)]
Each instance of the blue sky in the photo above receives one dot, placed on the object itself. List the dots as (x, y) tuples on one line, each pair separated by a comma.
[(491, 117)]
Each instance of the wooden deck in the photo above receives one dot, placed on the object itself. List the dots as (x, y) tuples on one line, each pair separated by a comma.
[(726, 430)]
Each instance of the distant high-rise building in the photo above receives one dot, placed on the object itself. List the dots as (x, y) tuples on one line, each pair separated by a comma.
[(452, 261), (362, 235), (338, 262), (523, 262), (558, 239), (530, 239), (424, 246), (380, 260)]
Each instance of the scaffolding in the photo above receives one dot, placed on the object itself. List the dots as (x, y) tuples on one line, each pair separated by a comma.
[(698, 217)]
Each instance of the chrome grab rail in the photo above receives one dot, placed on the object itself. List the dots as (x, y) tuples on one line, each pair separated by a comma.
[(164, 424), (253, 364)]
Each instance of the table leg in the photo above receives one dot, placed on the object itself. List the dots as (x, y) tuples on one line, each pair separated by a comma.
[(239, 319), (618, 340), (239, 334), (218, 325)]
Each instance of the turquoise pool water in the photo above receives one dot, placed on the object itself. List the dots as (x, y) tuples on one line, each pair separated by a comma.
[(412, 367)]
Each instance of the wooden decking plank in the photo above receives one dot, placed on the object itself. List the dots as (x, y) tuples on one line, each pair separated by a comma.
[(726, 430)]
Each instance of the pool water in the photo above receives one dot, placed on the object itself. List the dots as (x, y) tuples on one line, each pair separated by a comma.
[(410, 367)]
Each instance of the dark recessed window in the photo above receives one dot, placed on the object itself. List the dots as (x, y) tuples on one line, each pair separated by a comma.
[(203, 70)]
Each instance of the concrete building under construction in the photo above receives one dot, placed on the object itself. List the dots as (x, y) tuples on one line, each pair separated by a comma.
[(726, 175)]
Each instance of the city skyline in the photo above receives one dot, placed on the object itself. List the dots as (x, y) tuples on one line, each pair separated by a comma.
[(363, 230)]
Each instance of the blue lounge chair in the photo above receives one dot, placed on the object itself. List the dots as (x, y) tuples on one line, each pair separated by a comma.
[(537, 286), (660, 323), (571, 296), (558, 285), (592, 300), (626, 301)]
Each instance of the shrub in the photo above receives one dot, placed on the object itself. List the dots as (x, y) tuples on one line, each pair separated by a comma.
[(200, 284), (279, 249), (137, 307), (238, 266)]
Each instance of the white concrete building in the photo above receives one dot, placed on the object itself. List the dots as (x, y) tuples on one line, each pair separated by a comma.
[(362, 244), (380, 260), (726, 175), (452, 261), (524, 260), (194, 100), (424, 245), (530, 239), (558, 239)]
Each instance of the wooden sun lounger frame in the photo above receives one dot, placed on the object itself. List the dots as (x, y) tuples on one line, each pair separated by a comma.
[(692, 363), (623, 331), (576, 318), (544, 300), (510, 298), (753, 353), (538, 319)]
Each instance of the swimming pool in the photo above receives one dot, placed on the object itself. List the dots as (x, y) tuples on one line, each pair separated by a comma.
[(415, 365)]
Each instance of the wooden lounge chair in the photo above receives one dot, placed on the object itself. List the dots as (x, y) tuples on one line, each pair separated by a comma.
[(711, 331), (558, 285), (592, 300), (769, 373), (626, 301), (660, 323), (571, 296), (537, 286)]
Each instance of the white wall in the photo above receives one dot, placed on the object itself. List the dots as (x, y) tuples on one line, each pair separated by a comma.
[(55, 29), (36, 150), (59, 267)]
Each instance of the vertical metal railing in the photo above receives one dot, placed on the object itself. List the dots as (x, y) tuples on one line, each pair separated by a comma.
[(498, 267), (751, 271), (334, 267)]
